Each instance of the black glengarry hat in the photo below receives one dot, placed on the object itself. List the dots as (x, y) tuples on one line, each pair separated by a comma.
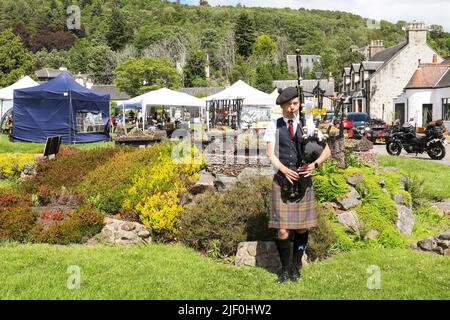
[(286, 94)]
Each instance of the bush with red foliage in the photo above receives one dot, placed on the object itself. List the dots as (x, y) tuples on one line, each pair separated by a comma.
[(60, 40), (78, 227), (16, 222)]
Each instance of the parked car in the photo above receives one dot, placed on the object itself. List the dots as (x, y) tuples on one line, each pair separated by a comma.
[(363, 125)]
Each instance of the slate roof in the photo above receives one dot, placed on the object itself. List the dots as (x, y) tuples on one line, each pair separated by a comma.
[(49, 73), (112, 90), (372, 65), (388, 53), (445, 80)]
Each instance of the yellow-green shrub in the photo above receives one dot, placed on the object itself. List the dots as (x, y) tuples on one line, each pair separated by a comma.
[(157, 188), (160, 212), (12, 164)]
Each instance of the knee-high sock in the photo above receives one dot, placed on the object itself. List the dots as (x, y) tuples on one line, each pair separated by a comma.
[(283, 247), (300, 244)]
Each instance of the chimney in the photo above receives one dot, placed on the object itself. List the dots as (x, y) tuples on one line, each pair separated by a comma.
[(375, 47), (416, 33), (435, 59)]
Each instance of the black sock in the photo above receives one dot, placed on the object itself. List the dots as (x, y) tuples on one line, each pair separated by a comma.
[(283, 247), (299, 247), (300, 241)]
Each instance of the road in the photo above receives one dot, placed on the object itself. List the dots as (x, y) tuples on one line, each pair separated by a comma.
[(381, 149)]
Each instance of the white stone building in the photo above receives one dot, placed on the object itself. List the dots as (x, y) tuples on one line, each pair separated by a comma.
[(371, 86), (426, 96)]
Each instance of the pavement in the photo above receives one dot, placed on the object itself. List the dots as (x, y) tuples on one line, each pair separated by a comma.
[(381, 149)]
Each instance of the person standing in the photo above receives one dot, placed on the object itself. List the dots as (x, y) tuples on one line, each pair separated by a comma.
[(293, 208)]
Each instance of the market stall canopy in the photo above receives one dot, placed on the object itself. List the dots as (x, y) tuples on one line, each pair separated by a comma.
[(60, 107), (240, 89), (8, 92), (164, 97)]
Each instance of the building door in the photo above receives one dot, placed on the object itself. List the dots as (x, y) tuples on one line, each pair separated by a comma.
[(400, 112), (360, 109), (427, 114)]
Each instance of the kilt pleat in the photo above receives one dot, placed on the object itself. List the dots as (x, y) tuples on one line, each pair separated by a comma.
[(296, 215)]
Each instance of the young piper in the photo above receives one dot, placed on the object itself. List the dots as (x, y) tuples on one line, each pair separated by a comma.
[(293, 205)]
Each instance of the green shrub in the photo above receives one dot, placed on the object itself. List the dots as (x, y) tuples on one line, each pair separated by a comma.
[(374, 218), (331, 187), (321, 238), (239, 214), (415, 186), (65, 171), (429, 222), (81, 225), (106, 186)]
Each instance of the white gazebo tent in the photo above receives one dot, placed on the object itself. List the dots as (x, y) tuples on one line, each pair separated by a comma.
[(7, 94), (163, 97), (254, 100)]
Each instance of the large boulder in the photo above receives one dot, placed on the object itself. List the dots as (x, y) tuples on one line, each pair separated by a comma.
[(223, 182), (263, 254), (350, 221), (405, 220), (443, 206), (355, 179), (206, 181), (439, 244), (352, 200), (122, 232)]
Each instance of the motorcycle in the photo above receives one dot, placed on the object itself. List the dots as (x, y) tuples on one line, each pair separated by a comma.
[(404, 137)]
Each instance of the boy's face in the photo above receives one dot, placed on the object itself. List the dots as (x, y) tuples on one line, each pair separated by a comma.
[(290, 108)]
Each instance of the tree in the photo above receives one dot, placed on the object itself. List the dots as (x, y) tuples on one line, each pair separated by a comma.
[(195, 68), (55, 18), (101, 64), (118, 33), (22, 31), (61, 40), (227, 54), (264, 47), (264, 79), (78, 56), (15, 60), (244, 34), (242, 70), (53, 59), (139, 75)]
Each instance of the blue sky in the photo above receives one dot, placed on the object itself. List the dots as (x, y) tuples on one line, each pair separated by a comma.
[(428, 11)]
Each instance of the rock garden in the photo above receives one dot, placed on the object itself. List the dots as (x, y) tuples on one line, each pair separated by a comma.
[(126, 196)]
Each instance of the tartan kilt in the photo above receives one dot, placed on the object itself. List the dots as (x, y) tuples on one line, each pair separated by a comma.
[(296, 215)]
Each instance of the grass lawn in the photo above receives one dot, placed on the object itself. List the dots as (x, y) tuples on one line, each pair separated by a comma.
[(30, 147), (176, 272), (437, 176)]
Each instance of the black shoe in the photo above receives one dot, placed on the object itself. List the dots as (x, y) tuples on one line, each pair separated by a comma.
[(283, 277), (295, 274)]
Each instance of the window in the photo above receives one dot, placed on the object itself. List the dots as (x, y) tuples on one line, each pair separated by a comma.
[(446, 109), (89, 122)]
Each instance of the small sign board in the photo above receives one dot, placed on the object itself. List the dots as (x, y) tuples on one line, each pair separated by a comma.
[(52, 146)]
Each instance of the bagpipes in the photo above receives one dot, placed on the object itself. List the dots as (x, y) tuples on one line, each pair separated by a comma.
[(313, 143)]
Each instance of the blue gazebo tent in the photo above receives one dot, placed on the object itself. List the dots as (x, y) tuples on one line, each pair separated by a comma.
[(60, 107)]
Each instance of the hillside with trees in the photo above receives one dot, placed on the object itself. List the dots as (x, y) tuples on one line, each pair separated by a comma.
[(118, 36)]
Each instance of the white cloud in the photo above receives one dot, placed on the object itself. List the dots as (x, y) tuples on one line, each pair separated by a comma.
[(430, 11)]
